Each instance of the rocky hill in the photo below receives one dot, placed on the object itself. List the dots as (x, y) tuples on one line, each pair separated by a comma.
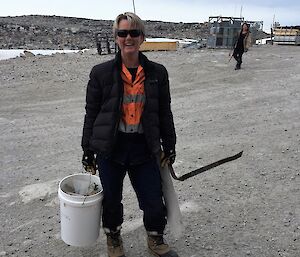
[(56, 32)]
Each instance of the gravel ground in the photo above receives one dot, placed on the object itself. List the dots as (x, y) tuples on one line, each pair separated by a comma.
[(248, 207)]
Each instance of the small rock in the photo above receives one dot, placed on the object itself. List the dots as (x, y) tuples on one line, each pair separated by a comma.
[(209, 247)]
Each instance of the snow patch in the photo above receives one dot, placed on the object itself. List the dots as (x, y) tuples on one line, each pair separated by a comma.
[(13, 53), (5, 195), (53, 203), (129, 226), (38, 191), (190, 206)]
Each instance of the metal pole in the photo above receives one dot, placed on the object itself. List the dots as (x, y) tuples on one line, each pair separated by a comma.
[(133, 6)]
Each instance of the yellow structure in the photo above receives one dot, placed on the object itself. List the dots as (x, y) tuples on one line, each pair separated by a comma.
[(287, 35), (159, 46)]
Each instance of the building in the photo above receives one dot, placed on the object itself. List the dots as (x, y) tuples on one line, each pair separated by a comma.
[(224, 31)]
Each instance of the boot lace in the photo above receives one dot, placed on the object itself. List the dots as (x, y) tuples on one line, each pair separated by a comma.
[(158, 240)]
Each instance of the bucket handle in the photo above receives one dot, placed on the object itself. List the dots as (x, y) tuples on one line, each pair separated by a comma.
[(88, 187), (90, 183)]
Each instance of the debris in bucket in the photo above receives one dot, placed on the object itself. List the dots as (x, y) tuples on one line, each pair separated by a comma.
[(92, 189)]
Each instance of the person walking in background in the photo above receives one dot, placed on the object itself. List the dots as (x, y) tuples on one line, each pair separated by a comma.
[(242, 45), (128, 123)]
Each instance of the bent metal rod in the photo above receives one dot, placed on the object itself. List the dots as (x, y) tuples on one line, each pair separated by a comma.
[(204, 168)]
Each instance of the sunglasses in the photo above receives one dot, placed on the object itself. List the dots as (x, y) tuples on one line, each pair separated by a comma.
[(132, 32)]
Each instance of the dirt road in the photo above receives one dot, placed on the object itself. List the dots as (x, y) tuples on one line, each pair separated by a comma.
[(249, 207)]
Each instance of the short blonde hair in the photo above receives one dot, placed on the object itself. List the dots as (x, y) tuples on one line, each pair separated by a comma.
[(134, 20)]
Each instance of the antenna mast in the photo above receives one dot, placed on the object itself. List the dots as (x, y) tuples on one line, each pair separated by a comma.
[(133, 6), (241, 11)]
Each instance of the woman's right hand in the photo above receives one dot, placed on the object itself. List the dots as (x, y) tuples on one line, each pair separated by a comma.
[(89, 162)]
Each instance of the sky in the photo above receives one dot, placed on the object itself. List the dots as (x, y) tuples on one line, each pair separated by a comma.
[(286, 12)]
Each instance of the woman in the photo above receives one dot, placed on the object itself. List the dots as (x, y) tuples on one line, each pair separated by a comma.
[(128, 120), (242, 45)]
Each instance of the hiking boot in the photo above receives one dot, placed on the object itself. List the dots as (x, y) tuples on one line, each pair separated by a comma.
[(238, 66), (159, 248), (114, 244)]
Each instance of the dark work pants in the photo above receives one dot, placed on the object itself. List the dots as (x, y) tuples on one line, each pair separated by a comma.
[(237, 55), (146, 181)]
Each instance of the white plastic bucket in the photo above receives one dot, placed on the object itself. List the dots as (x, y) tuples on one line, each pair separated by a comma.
[(80, 215)]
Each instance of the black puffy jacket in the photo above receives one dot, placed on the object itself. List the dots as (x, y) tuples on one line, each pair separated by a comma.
[(104, 101)]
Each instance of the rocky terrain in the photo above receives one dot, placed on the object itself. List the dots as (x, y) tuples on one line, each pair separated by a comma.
[(55, 32)]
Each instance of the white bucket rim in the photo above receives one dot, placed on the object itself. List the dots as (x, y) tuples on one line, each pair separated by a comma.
[(80, 199)]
